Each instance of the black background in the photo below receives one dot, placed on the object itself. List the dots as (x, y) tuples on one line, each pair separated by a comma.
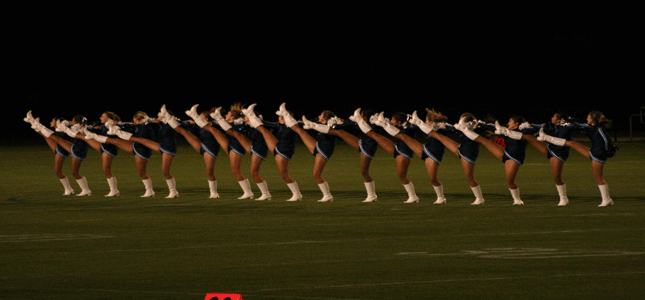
[(524, 59)]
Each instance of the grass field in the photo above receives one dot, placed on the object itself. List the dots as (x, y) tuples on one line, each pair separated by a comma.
[(68, 247)]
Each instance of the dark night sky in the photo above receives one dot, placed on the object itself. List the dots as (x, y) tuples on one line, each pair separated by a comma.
[(529, 60)]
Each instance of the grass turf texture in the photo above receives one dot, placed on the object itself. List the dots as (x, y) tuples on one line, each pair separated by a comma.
[(67, 247)]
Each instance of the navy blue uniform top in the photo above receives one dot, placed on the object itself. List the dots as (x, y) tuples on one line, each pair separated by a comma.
[(167, 138), (560, 131), (233, 143), (143, 130), (468, 149), (435, 147), (59, 149), (286, 137), (368, 145), (100, 129), (400, 145), (601, 144), (513, 149), (258, 143), (208, 141)]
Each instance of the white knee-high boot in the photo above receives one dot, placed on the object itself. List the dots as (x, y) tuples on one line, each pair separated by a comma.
[(441, 199), (147, 183), (562, 192), (85, 189), (172, 187), (114, 191), (212, 186), (264, 189), (371, 192), (246, 188), (295, 190), (479, 197), (68, 187), (412, 194), (604, 193), (515, 193), (324, 188)]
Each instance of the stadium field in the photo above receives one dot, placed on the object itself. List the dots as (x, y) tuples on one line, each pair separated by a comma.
[(128, 247)]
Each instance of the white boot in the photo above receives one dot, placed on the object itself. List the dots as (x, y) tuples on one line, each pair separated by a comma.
[(470, 134), (479, 197), (356, 117), (29, 118), (114, 191), (604, 192), (264, 189), (499, 129), (246, 188), (324, 188), (315, 126), (415, 120), (68, 188), (42, 129), (212, 186), (172, 187), (250, 110), (85, 189), (289, 120), (163, 112), (171, 121), (113, 129), (254, 120), (217, 116), (35, 124), (193, 114), (441, 199), (412, 194), (365, 128), (295, 190), (515, 193), (282, 110), (60, 125), (371, 192), (93, 136), (562, 192), (387, 126), (147, 183), (550, 139), (466, 128)]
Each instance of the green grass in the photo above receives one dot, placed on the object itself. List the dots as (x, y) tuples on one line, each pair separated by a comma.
[(67, 247)]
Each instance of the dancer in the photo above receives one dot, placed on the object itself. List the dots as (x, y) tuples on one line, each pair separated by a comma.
[(322, 148), (60, 154), (202, 141), (467, 126), (77, 148), (258, 150), (228, 134), (365, 145), (167, 147), (514, 152), (466, 149), (432, 152), (140, 129), (400, 151), (561, 126), (108, 151), (601, 149), (281, 141)]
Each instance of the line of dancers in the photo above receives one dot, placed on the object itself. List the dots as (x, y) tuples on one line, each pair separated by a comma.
[(241, 131)]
